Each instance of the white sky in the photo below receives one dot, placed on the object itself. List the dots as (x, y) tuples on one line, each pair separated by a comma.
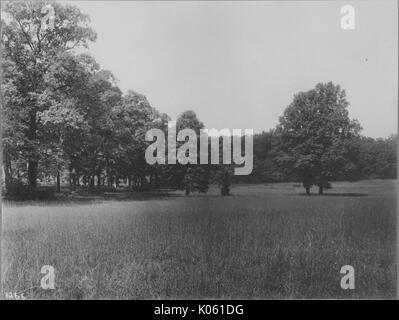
[(238, 64)]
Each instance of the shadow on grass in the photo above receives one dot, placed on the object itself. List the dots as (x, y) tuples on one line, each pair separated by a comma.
[(84, 197), (64, 199), (347, 194)]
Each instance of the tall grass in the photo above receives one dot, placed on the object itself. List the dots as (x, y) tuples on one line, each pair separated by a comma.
[(263, 242)]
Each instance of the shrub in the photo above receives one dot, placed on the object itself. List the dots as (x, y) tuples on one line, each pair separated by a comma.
[(19, 191)]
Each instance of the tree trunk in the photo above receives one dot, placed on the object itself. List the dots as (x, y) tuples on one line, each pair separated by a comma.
[(320, 188), (32, 174), (130, 183), (70, 178), (225, 184), (156, 180), (77, 178), (32, 161), (108, 172), (7, 170), (58, 182)]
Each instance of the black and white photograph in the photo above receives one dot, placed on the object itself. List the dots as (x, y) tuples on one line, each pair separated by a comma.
[(199, 150)]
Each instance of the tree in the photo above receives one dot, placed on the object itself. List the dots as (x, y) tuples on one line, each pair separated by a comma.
[(265, 166), (378, 157), (78, 121), (195, 179), (315, 136), (222, 176), (12, 130), (132, 118), (189, 177), (32, 48)]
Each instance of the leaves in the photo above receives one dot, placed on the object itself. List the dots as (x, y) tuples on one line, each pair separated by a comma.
[(315, 130)]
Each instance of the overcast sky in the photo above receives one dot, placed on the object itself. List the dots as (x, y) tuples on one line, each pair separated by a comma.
[(238, 64)]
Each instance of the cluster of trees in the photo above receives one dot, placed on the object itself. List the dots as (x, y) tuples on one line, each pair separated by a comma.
[(316, 142), (64, 118), (375, 159)]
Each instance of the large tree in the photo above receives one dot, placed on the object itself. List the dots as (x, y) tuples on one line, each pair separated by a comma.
[(132, 118), (78, 121), (30, 49), (316, 135), (189, 177)]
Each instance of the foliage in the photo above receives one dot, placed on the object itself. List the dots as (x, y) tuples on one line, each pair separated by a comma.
[(64, 120), (316, 135)]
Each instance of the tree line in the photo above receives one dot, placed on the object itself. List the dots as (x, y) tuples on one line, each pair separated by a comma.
[(64, 119), (373, 159)]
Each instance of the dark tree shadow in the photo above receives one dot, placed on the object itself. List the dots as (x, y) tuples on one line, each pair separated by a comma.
[(88, 199), (345, 194)]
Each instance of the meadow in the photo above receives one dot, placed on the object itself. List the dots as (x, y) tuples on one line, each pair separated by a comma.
[(263, 242)]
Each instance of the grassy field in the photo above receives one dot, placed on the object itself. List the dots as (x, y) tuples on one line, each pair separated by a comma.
[(264, 241)]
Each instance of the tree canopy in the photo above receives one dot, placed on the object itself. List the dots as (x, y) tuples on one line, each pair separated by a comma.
[(65, 121), (316, 135)]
